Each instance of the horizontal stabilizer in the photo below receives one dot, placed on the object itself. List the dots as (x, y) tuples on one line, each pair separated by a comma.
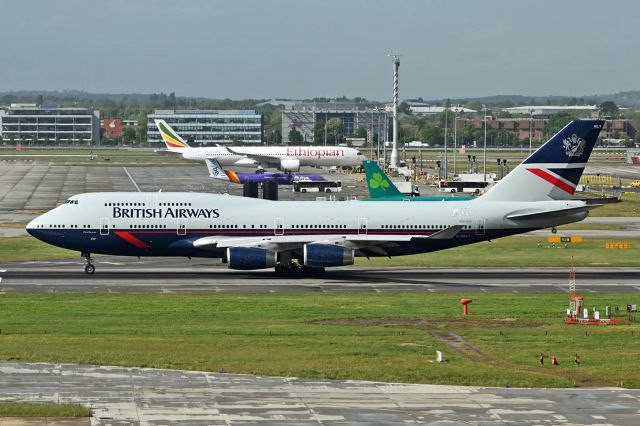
[(550, 214)]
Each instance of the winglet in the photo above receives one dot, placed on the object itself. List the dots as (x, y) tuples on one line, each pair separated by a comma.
[(378, 182), (169, 136)]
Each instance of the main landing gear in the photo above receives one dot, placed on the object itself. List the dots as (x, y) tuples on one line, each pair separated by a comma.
[(88, 268), (295, 269)]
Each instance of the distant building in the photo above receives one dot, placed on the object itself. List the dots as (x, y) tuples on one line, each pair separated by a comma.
[(112, 128), (547, 110), (519, 127), (435, 110), (209, 127), (304, 117), (49, 123)]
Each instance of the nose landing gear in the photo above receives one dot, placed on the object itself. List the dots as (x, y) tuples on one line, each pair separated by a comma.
[(88, 268)]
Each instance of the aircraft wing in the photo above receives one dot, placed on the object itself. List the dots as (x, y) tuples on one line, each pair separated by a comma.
[(262, 159), (279, 243), (167, 152)]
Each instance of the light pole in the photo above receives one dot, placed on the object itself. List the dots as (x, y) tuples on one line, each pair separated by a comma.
[(446, 126), (455, 137), (530, 128), (484, 149)]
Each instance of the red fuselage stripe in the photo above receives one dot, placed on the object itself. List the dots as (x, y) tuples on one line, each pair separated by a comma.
[(553, 180), (132, 240)]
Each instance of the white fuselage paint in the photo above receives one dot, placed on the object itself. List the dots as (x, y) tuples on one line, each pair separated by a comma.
[(307, 155), (183, 215)]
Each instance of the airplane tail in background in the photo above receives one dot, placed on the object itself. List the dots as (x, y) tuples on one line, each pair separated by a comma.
[(553, 171), (217, 172), (377, 181), (169, 136)]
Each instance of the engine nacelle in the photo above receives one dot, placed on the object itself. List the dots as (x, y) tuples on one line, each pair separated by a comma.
[(321, 255), (246, 258), (289, 165)]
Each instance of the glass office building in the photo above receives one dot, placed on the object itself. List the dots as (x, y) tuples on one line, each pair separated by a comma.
[(30, 123), (209, 127), (304, 117)]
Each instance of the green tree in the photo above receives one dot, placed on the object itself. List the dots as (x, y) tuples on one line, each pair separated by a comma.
[(295, 136), (404, 108), (335, 131), (557, 122), (360, 132), (608, 108), (129, 135), (432, 135)]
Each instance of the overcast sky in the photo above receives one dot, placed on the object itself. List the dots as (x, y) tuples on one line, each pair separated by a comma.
[(299, 49)]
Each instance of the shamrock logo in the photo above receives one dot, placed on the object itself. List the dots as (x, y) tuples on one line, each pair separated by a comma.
[(377, 181)]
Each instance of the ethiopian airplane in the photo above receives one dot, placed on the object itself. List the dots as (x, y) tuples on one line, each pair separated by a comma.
[(216, 171), (285, 158), (308, 236)]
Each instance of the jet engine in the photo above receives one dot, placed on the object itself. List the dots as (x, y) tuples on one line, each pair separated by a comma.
[(247, 258), (321, 255), (289, 165)]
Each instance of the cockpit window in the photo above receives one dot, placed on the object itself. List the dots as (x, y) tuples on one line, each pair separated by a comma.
[(71, 202), (358, 153)]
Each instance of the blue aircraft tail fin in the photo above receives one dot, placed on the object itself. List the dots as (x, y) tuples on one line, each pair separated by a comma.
[(553, 171)]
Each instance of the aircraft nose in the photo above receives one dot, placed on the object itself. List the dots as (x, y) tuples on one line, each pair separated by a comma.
[(32, 226)]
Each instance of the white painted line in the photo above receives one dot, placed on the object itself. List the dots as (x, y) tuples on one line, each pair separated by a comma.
[(636, 287), (3, 270), (132, 181)]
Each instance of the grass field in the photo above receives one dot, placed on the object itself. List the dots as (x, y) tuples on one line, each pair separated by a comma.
[(20, 249), (520, 251), (372, 336), (28, 409), (629, 207)]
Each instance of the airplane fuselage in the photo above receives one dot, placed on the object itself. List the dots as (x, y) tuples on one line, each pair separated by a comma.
[(168, 224), (307, 155)]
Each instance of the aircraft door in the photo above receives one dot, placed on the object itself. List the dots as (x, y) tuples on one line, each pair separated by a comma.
[(362, 226), (278, 226), (181, 227), (480, 225), (104, 226)]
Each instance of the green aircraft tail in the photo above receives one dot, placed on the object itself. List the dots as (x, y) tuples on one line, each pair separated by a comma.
[(378, 182)]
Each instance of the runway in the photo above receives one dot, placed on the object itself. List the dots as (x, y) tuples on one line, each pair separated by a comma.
[(168, 275), (126, 396)]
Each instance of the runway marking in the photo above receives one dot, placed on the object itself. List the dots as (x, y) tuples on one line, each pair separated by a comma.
[(130, 178)]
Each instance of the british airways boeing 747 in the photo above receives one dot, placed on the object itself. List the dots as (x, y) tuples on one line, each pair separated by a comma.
[(252, 233)]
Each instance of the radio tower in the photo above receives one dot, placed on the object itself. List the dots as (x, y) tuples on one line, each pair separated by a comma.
[(393, 163)]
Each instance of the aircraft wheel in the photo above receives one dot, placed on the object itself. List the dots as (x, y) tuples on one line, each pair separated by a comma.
[(327, 190), (282, 270), (90, 269), (554, 230), (303, 190)]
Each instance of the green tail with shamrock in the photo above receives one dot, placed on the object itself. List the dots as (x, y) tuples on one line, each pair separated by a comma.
[(377, 181)]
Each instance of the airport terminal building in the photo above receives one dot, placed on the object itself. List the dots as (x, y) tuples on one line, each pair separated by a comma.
[(304, 117), (30, 123), (209, 127)]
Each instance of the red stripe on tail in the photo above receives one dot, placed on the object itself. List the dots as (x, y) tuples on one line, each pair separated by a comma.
[(553, 180)]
